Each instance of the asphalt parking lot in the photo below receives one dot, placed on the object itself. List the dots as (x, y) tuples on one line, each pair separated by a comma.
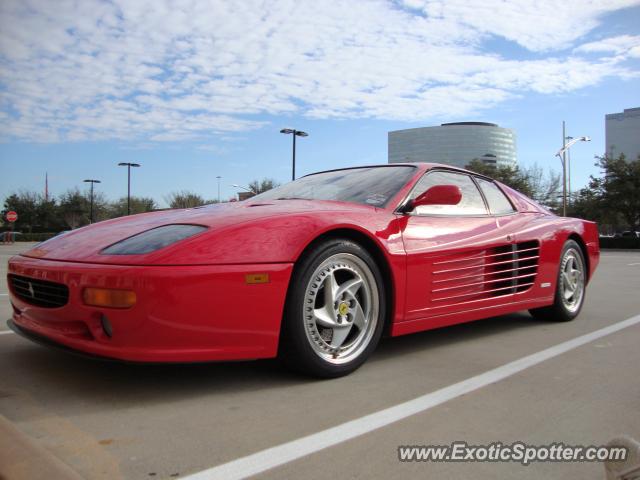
[(109, 420)]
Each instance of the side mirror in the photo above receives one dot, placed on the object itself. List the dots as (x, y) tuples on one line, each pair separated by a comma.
[(436, 195)]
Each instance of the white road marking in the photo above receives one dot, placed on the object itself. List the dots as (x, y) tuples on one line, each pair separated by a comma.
[(633, 264), (6, 332), (4, 294), (287, 452)]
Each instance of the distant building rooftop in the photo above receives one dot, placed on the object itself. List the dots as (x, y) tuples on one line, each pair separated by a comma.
[(481, 124), (628, 112)]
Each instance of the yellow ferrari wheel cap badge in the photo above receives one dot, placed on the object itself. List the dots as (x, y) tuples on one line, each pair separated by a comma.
[(343, 308)]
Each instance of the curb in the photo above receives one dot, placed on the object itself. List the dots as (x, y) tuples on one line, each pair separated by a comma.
[(22, 458)]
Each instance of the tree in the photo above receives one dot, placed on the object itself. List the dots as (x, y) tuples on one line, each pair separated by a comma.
[(530, 181), (101, 206), (184, 199), (259, 186), (47, 216), (138, 205), (26, 205), (543, 188), (510, 176), (588, 204), (74, 208), (614, 198)]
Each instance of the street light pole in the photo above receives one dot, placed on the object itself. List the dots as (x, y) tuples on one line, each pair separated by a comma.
[(563, 158), (91, 181), (218, 177), (295, 133), (128, 165), (569, 138), (564, 171)]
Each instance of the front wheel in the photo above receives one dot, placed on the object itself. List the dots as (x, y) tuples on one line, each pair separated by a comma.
[(570, 288), (335, 310)]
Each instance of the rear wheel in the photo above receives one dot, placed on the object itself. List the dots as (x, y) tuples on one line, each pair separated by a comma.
[(570, 288), (335, 310)]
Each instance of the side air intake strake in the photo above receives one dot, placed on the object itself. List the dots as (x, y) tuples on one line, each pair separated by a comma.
[(486, 273)]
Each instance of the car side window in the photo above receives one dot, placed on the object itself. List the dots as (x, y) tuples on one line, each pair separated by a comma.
[(471, 203), (498, 202)]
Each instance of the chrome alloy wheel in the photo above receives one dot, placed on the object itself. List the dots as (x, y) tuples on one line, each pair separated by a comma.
[(572, 277), (341, 308)]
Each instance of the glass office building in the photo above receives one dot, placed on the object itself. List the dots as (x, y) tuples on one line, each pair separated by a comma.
[(622, 132), (454, 144)]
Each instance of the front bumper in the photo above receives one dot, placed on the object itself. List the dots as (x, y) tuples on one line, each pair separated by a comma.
[(34, 337), (183, 313)]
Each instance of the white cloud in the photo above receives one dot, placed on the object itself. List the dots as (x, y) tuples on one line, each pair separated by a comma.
[(536, 25), (172, 70), (628, 45)]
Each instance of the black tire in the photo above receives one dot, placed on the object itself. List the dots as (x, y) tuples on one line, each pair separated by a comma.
[(560, 311), (306, 343)]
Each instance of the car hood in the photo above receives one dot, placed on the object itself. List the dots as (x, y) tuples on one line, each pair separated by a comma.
[(86, 243)]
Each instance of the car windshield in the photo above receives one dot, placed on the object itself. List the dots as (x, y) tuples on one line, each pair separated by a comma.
[(373, 186)]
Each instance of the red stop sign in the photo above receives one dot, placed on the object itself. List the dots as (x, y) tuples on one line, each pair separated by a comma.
[(11, 216)]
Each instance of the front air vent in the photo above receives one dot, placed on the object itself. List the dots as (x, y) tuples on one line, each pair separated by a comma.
[(39, 292), (483, 274)]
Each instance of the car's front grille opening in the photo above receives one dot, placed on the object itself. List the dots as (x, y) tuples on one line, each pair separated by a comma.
[(40, 293)]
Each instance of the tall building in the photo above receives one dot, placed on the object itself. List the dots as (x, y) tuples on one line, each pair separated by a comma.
[(454, 144), (622, 133)]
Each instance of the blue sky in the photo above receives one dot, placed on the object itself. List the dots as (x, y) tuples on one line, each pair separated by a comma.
[(196, 89)]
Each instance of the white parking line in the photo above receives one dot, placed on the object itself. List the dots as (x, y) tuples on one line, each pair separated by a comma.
[(633, 264), (6, 332), (287, 452), (4, 294)]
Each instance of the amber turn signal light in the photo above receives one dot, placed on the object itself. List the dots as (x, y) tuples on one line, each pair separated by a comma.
[(106, 297), (252, 278)]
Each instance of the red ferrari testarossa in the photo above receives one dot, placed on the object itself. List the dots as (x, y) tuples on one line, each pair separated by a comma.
[(314, 271)]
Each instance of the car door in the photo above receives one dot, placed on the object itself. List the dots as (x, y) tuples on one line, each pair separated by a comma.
[(457, 257)]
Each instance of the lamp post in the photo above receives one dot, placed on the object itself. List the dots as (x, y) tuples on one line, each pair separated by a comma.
[(128, 165), (295, 133), (562, 154), (568, 138), (91, 181), (218, 177)]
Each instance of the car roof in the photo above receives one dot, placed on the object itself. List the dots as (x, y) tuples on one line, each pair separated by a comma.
[(422, 166)]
